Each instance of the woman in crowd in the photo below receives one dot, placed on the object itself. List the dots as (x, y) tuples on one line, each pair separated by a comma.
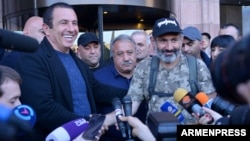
[(231, 78), (219, 44)]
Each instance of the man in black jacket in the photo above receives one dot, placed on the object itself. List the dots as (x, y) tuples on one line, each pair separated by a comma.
[(56, 83)]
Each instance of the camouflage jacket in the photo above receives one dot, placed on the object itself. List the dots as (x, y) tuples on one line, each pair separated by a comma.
[(168, 80)]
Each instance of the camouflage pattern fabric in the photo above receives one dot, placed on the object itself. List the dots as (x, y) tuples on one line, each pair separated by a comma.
[(168, 81)]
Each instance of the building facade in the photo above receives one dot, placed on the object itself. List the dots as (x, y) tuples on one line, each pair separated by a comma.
[(111, 15)]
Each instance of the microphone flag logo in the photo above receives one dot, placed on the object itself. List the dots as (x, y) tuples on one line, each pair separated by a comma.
[(25, 113)]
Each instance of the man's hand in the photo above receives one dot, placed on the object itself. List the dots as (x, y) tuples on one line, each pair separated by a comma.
[(110, 119), (139, 129), (207, 117)]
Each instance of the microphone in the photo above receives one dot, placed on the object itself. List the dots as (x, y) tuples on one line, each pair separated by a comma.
[(222, 106), (188, 101), (204, 100), (16, 41), (68, 131), (218, 104), (118, 112), (168, 107), (22, 117), (25, 113), (127, 106)]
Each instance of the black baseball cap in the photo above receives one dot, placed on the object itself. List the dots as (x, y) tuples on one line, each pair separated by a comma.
[(166, 25), (87, 38)]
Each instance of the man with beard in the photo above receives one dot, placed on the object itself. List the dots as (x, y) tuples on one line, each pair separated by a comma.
[(173, 71)]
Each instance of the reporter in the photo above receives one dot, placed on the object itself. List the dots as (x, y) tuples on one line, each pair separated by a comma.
[(240, 116), (139, 129), (230, 73), (231, 78), (10, 82)]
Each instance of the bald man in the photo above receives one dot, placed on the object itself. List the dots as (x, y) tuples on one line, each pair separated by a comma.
[(32, 28)]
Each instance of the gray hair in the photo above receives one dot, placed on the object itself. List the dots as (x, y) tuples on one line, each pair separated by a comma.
[(121, 37), (137, 32)]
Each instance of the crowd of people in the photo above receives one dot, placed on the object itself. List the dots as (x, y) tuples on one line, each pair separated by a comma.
[(61, 85)]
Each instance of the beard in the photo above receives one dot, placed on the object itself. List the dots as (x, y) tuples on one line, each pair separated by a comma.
[(168, 58)]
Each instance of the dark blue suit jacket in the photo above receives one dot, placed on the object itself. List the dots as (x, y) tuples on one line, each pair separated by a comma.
[(46, 88), (109, 75), (11, 59)]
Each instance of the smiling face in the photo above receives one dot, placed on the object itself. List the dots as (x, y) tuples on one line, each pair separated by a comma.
[(168, 47), (64, 30)]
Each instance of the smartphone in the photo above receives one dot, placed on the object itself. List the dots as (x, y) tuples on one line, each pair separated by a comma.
[(95, 124)]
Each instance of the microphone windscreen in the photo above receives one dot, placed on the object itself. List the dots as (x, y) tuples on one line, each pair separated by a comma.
[(16, 41), (5, 113), (127, 100), (202, 98), (20, 118), (68, 131), (179, 94), (168, 107), (127, 105), (116, 102), (25, 113)]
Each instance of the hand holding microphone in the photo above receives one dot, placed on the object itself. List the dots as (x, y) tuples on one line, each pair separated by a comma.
[(191, 104), (127, 106), (119, 112), (140, 130), (206, 120), (207, 103)]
